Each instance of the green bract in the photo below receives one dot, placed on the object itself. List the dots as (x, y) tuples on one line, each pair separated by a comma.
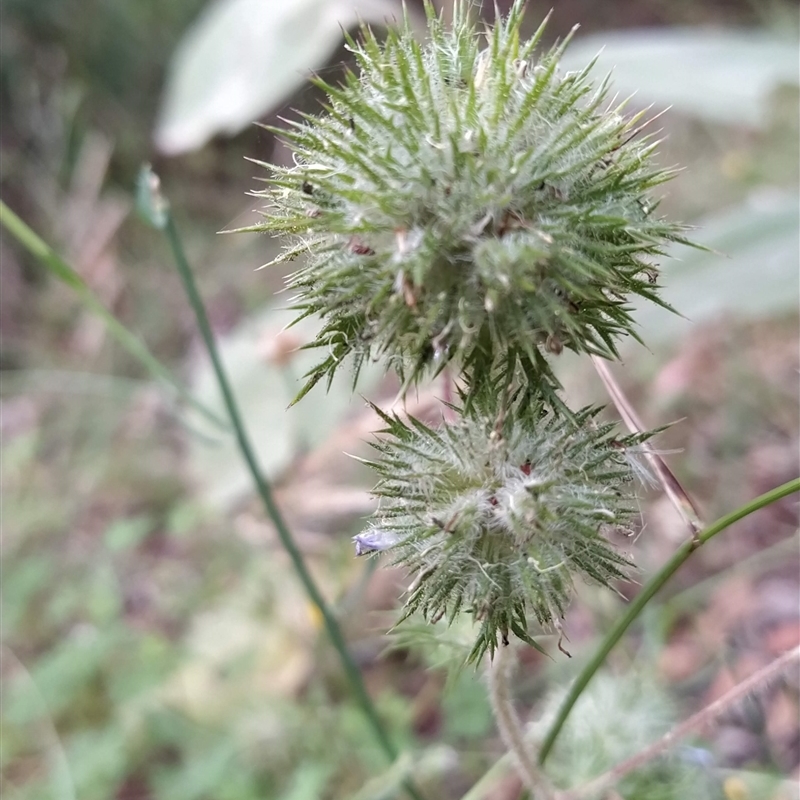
[(462, 200), (497, 512)]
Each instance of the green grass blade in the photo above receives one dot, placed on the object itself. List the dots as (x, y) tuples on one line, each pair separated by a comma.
[(131, 343), (264, 490)]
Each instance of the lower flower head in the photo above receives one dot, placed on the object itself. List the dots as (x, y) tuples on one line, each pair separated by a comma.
[(499, 511)]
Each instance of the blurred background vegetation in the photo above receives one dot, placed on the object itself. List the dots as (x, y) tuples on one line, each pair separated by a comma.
[(155, 641)]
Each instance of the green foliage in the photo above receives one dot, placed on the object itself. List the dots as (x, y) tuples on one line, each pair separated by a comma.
[(465, 204), (116, 54), (109, 566), (119, 706), (466, 709), (148, 655)]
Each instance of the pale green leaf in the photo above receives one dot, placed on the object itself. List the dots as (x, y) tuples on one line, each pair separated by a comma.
[(264, 391), (719, 75), (242, 58), (753, 271)]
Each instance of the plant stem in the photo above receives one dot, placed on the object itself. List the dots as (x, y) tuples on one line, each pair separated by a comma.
[(56, 265), (758, 680), (677, 495), (489, 780), (509, 724), (646, 594), (265, 492)]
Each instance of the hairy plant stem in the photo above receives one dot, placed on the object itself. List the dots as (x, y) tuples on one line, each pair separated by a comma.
[(511, 730), (265, 492), (644, 597), (758, 680)]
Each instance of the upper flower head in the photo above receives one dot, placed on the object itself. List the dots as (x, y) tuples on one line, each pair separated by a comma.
[(462, 199)]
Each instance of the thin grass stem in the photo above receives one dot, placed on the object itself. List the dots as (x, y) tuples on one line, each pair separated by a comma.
[(677, 495), (265, 492), (135, 347), (646, 594)]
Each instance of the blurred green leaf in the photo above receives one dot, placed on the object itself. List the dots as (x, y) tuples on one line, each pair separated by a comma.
[(184, 518), (21, 585), (432, 762), (201, 775), (94, 598), (58, 677), (264, 390), (140, 672), (467, 713), (241, 58), (753, 272), (98, 761), (103, 597), (308, 783), (719, 75), (124, 534), (389, 784)]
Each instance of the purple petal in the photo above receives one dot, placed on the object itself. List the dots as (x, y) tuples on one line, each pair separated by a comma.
[(374, 541)]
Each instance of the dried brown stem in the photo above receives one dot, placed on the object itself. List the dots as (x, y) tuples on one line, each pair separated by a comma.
[(672, 487), (758, 680)]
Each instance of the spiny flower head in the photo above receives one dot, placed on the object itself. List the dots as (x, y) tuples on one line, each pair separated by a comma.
[(461, 199), (496, 513), (613, 719)]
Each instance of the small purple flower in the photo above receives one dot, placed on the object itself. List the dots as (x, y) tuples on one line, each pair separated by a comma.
[(375, 540)]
